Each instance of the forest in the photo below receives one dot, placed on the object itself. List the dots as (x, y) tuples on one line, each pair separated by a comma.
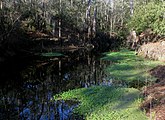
[(82, 59)]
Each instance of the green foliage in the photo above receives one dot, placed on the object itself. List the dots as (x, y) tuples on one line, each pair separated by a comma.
[(151, 16), (130, 68), (106, 103)]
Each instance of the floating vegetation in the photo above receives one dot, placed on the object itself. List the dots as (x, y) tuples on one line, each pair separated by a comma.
[(52, 54), (106, 103), (130, 68)]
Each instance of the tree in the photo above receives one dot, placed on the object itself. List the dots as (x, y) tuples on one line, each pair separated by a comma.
[(150, 15)]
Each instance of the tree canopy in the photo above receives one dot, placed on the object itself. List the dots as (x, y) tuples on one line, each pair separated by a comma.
[(150, 15), (89, 16)]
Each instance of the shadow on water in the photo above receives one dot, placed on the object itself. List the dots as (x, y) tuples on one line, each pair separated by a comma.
[(28, 84)]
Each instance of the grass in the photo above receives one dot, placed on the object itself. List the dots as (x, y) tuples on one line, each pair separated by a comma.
[(106, 103), (130, 68)]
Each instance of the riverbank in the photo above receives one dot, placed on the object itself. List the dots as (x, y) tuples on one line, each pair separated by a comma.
[(155, 94), (120, 100), (155, 51)]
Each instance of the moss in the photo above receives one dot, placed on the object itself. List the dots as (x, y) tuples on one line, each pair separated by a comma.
[(130, 68), (106, 103)]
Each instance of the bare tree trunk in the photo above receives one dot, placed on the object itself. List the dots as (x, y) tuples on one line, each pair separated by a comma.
[(122, 14), (59, 31), (111, 17), (131, 7), (54, 27), (105, 19), (112, 5), (101, 15), (43, 7), (59, 24), (1, 4), (88, 18), (71, 3), (94, 21)]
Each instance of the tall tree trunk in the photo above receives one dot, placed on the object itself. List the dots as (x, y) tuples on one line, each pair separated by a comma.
[(122, 14), (54, 27), (112, 5), (59, 24), (94, 21), (131, 7), (59, 31), (101, 15), (71, 3), (43, 7), (1, 4), (88, 18)]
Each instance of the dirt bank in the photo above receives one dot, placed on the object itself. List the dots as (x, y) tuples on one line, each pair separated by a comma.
[(154, 102), (155, 51)]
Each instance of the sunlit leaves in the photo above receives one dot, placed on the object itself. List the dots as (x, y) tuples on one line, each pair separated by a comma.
[(149, 16)]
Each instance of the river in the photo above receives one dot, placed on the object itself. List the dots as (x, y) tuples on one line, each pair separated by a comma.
[(28, 84)]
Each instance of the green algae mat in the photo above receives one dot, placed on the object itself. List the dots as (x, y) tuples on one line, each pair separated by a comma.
[(114, 102), (130, 68), (106, 103)]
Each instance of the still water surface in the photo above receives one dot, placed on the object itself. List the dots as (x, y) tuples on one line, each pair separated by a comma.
[(28, 84)]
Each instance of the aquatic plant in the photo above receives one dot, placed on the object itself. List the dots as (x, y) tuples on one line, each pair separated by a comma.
[(130, 68), (106, 103)]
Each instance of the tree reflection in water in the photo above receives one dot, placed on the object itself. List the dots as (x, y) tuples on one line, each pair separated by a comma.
[(28, 85)]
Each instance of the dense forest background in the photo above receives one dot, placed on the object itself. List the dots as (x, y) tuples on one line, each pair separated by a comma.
[(102, 23)]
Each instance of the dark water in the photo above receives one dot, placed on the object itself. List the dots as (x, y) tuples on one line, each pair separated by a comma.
[(28, 84)]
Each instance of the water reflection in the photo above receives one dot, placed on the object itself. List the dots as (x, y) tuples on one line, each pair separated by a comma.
[(27, 92)]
